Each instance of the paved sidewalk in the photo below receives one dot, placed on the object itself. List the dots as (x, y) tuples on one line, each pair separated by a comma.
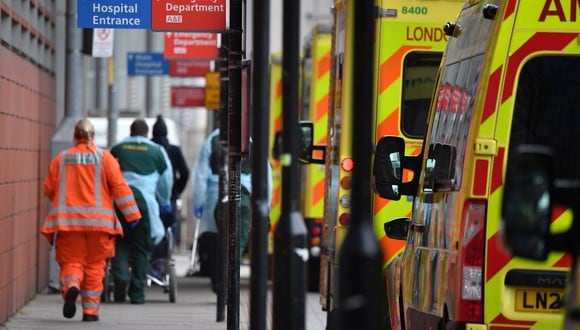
[(195, 308)]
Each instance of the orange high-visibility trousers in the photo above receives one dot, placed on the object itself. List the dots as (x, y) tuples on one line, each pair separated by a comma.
[(82, 257)]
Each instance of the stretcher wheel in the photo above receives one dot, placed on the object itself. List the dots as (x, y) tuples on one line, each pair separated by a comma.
[(107, 283), (172, 284)]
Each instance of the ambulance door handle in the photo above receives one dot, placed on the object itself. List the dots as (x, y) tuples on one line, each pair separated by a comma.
[(418, 228)]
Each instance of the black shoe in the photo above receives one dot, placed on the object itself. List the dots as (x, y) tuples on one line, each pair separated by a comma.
[(69, 309), (120, 291), (90, 318)]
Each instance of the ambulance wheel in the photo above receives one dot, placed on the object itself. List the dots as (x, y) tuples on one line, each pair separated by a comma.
[(107, 283), (106, 294)]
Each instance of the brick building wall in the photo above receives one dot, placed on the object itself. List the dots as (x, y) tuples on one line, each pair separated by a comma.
[(27, 123)]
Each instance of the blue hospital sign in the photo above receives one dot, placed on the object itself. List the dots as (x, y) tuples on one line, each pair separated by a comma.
[(114, 14), (146, 64)]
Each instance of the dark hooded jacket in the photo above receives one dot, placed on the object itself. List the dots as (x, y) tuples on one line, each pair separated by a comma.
[(180, 168)]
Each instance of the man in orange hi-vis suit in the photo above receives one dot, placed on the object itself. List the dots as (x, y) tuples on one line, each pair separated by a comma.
[(84, 184)]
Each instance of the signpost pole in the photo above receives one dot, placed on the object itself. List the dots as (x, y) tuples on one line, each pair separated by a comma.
[(235, 157), (221, 216)]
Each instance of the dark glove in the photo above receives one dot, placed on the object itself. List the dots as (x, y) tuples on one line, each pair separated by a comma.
[(168, 219), (167, 216), (166, 208), (134, 224), (198, 211)]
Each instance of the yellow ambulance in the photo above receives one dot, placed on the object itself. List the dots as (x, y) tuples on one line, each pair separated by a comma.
[(315, 83), (275, 126), (410, 44), (410, 41), (509, 76), (275, 140)]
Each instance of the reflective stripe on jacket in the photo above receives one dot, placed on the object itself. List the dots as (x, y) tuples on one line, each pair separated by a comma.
[(84, 183)]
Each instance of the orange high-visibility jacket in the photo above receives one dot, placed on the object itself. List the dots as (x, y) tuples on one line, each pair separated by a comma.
[(83, 182)]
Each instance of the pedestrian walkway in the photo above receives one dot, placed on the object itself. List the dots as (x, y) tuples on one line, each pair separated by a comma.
[(195, 308)]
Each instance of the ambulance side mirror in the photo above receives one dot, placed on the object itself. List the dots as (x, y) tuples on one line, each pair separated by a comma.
[(276, 148), (310, 153), (306, 142), (527, 202), (388, 169)]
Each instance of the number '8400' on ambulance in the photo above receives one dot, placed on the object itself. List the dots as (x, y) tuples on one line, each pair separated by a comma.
[(510, 75)]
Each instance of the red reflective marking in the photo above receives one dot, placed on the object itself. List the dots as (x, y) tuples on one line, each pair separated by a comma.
[(497, 170), (497, 256), (557, 211), (480, 174), (489, 106), (511, 7), (278, 89), (539, 41), (565, 261), (502, 319)]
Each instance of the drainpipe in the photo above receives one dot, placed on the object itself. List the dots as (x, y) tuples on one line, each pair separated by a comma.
[(113, 106), (74, 66), (73, 111)]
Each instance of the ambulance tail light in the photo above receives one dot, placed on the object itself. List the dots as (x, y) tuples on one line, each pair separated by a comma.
[(344, 219), (316, 232), (315, 236), (345, 182), (470, 308), (347, 164)]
